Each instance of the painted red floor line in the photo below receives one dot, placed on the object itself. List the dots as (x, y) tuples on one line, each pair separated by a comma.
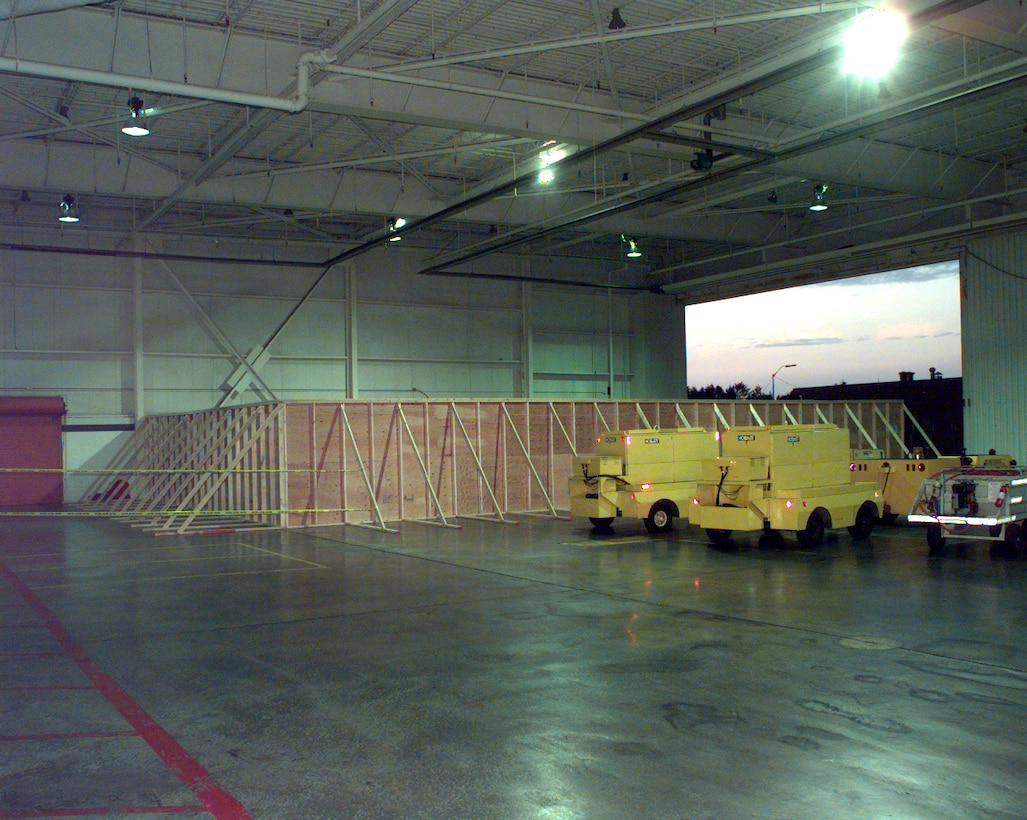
[(98, 812), (54, 688), (65, 736), (30, 655), (215, 799)]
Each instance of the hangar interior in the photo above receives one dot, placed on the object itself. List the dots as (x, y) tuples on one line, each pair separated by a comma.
[(240, 251), (423, 200)]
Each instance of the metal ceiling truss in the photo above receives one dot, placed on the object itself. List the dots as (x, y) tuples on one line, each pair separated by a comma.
[(437, 111)]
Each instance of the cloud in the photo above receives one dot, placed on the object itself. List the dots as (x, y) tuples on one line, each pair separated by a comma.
[(808, 342), (918, 275), (908, 332)]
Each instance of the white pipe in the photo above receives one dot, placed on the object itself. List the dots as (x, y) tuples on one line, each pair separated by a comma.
[(494, 93), (298, 102), (23, 8)]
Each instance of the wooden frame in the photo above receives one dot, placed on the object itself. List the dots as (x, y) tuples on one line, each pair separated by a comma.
[(370, 463)]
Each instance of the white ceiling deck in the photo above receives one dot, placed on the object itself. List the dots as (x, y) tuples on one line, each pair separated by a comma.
[(436, 110)]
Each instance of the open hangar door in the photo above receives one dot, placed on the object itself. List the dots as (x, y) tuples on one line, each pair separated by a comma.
[(30, 441)]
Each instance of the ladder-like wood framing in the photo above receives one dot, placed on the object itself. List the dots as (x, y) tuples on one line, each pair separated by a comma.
[(373, 463)]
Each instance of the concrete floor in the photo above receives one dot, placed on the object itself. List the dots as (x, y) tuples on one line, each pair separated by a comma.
[(496, 671)]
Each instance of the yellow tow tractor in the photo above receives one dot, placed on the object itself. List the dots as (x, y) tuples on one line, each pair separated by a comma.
[(900, 478), (784, 477), (642, 474)]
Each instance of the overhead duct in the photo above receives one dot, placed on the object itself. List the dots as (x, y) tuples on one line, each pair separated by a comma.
[(24, 8), (294, 104)]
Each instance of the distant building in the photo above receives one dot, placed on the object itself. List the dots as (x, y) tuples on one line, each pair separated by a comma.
[(936, 403)]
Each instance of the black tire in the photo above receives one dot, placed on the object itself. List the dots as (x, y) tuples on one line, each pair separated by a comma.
[(601, 523), (889, 519), (813, 536), (1010, 545), (661, 517), (718, 537), (1021, 541), (935, 539), (866, 517), (771, 540)]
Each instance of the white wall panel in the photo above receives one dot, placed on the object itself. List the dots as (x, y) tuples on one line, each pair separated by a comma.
[(37, 332), (300, 379), (92, 319), (994, 307), (67, 329), (318, 330)]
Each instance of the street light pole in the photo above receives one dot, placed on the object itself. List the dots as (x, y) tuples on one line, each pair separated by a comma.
[(773, 387)]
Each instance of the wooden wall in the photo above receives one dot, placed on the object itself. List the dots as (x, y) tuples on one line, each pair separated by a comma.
[(374, 463)]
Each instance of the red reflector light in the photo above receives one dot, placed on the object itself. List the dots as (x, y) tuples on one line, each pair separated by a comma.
[(695, 501)]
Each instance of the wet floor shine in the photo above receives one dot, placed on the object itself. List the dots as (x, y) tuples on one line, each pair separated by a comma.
[(495, 671)]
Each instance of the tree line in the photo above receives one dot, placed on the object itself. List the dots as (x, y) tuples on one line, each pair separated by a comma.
[(736, 391)]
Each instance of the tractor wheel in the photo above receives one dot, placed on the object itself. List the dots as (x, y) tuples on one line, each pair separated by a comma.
[(866, 516), (935, 539), (813, 536), (661, 517)]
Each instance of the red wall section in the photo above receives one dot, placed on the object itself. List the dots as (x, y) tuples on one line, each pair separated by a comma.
[(30, 439)]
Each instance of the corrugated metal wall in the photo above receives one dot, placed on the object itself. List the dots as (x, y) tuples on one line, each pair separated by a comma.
[(994, 318)]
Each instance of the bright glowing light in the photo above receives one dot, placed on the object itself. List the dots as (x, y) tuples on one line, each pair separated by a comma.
[(546, 175), (550, 155), (646, 486), (872, 44), (135, 129)]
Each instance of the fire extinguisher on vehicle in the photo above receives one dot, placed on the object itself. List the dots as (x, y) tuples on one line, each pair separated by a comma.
[(1000, 499)]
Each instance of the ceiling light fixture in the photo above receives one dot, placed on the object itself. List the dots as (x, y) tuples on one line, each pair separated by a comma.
[(616, 21), (69, 210), (872, 44), (135, 127), (818, 198), (633, 252), (703, 161), (551, 153), (395, 223)]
